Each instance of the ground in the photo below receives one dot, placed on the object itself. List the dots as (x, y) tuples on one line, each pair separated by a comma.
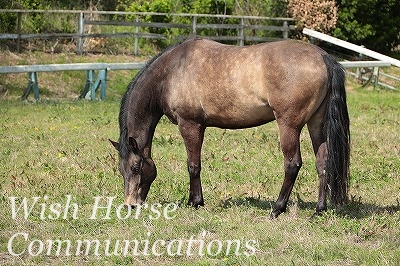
[(58, 148)]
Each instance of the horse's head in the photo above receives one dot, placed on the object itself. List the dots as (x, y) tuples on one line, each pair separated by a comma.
[(138, 171)]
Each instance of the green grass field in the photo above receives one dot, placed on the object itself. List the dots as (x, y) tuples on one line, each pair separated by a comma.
[(58, 150)]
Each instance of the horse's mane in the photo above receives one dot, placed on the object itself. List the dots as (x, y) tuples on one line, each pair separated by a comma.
[(123, 113)]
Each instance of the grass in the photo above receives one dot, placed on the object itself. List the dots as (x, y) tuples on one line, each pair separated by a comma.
[(60, 147)]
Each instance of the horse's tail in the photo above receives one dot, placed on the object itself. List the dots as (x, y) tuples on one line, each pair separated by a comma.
[(337, 133)]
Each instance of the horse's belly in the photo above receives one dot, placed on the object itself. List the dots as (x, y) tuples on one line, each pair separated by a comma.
[(238, 116), (221, 108)]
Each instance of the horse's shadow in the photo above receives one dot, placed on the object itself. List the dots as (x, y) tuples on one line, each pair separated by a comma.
[(262, 204), (354, 209)]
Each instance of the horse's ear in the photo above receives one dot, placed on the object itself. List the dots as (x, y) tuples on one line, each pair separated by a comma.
[(133, 145), (115, 144)]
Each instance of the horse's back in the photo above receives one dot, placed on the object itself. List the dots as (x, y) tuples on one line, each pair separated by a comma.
[(233, 87)]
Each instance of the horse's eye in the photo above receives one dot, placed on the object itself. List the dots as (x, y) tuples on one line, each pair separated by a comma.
[(135, 169)]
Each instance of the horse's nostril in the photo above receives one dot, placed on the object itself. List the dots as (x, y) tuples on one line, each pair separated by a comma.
[(129, 206)]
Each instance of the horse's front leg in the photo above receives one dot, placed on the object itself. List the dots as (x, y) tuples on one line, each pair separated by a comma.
[(193, 135)]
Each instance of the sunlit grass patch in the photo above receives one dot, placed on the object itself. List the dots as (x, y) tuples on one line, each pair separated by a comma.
[(61, 148)]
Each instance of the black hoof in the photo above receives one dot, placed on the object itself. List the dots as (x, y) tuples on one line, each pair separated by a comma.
[(315, 215), (275, 214), (195, 204)]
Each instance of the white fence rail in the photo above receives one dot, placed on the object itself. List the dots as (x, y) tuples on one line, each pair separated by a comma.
[(351, 46), (384, 61), (69, 67)]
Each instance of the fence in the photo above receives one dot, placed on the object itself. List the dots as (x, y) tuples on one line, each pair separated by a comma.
[(92, 83), (373, 75), (248, 28)]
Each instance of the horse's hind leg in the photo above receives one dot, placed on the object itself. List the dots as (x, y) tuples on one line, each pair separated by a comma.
[(290, 145), (316, 129), (193, 135)]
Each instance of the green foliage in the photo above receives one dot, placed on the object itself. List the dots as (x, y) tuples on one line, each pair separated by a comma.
[(267, 8), (157, 6), (60, 4), (50, 23), (220, 7), (214, 7), (34, 4), (8, 21), (39, 22), (170, 6), (372, 23)]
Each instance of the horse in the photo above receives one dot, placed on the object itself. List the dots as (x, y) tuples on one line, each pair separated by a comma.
[(199, 83)]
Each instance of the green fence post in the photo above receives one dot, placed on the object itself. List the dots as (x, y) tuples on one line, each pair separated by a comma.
[(103, 82), (88, 84), (32, 86), (92, 85)]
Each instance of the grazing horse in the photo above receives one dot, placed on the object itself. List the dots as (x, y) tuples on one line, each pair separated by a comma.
[(201, 83)]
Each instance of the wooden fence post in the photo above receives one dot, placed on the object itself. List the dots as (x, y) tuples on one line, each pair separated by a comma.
[(361, 57), (375, 74), (241, 33), (81, 30), (285, 32), (19, 32), (194, 25), (135, 52)]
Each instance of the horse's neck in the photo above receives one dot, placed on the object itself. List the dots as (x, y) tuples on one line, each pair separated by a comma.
[(142, 120)]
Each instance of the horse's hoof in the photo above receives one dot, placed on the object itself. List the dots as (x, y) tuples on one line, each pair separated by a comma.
[(274, 215), (315, 215), (196, 205)]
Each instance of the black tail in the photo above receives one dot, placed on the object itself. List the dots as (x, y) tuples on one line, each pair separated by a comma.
[(337, 133)]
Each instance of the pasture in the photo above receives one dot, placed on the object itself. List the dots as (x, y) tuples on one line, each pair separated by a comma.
[(59, 151)]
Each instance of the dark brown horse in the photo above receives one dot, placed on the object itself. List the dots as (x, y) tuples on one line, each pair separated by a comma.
[(201, 83)]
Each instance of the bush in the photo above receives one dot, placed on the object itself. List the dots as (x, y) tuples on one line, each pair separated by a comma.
[(320, 15), (372, 23)]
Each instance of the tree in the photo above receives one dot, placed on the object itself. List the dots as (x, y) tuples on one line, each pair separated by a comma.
[(224, 7), (7, 20), (372, 23)]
